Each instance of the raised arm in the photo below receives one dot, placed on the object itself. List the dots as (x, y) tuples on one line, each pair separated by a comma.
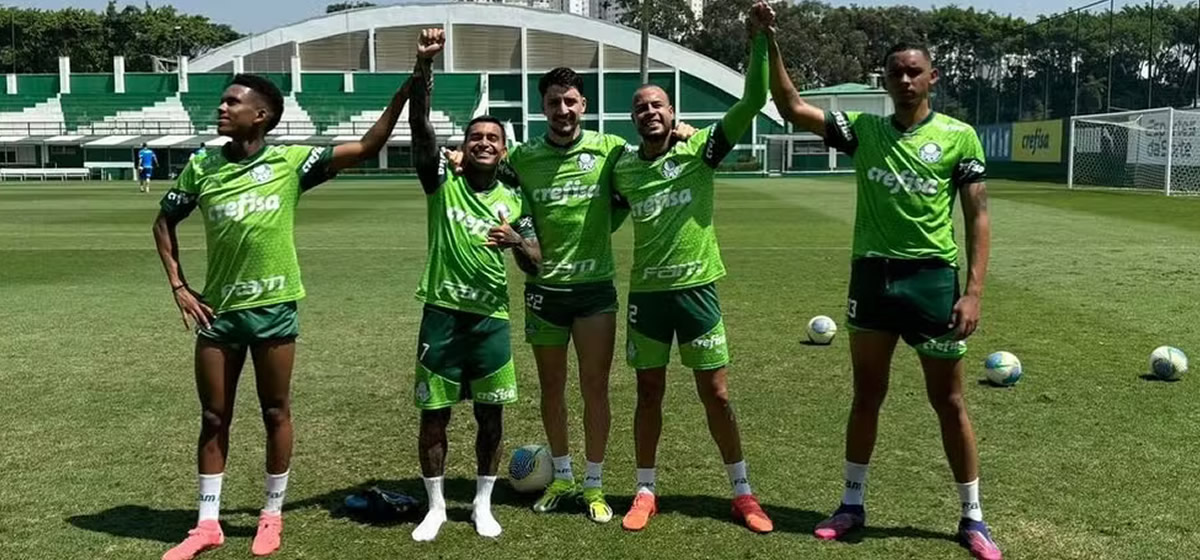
[(969, 179), (740, 117), (351, 153), (787, 100), (425, 150)]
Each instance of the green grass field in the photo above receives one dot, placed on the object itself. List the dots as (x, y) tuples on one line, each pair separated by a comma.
[(1083, 459)]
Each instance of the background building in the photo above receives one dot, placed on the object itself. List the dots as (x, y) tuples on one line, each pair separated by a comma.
[(339, 71)]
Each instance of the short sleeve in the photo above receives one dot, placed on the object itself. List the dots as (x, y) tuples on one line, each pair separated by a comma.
[(614, 145), (179, 202), (506, 172), (716, 146), (972, 165), (524, 223), (312, 164), (696, 143), (840, 131)]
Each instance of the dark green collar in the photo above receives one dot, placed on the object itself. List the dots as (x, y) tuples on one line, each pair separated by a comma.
[(250, 158), (568, 145), (900, 128)]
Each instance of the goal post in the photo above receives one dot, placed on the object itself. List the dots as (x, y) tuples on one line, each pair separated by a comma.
[(803, 153), (1152, 149)]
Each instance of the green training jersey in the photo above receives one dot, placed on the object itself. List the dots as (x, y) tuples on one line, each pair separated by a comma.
[(249, 210), (461, 273), (569, 190), (907, 181), (670, 197), (671, 207)]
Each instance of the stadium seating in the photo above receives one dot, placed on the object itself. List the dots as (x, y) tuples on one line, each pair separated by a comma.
[(163, 117), (201, 110), (83, 109), (30, 115), (309, 113)]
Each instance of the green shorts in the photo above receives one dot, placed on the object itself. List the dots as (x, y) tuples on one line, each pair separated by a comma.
[(691, 315), (256, 324), (551, 310), (462, 356), (912, 298)]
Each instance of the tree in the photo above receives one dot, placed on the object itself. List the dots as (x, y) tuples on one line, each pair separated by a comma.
[(343, 6), (672, 20), (37, 38)]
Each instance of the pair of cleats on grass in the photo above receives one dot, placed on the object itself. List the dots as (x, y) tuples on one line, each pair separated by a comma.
[(746, 509), (208, 535), (592, 499), (972, 535)]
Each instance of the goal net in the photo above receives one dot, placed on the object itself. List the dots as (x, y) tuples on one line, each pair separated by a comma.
[(1155, 149), (803, 153)]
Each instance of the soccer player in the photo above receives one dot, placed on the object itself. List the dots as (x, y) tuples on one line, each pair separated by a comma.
[(463, 349), (146, 160), (247, 193), (904, 282), (199, 153), (668, 185), (566, 178)]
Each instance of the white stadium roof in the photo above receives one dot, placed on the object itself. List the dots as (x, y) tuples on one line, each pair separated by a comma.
[(449, 15)]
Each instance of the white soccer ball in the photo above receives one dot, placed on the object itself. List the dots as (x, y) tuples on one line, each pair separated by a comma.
[(530, 469), (1168, 363), (1003, 368), (821, 330)]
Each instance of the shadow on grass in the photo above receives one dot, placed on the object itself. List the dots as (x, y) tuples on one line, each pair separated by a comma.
[(1149, 377), (455, 489), (169, 526), (989, 384), (871, 532), (787, 519), (172, 525), (141, 522)]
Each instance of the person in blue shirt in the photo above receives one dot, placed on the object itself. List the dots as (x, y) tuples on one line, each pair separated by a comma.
[(146, 160), (200, 152)]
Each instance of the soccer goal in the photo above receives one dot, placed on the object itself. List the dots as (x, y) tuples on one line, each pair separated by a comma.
[(1154, 149), (801, 153)]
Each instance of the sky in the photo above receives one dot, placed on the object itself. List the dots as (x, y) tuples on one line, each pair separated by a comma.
[(260, 15)]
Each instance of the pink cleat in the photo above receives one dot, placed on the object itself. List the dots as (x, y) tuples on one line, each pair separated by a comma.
[(974, 536), (206, 536), (845, 519), (268, 538)]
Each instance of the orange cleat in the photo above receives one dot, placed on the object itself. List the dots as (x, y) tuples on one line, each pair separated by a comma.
[(267, 540), (645, 505), (206, 536), (747, 510)]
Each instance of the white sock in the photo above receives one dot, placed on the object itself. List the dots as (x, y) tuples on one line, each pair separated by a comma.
[(485, 523), (562, 468), (210, 495), (276, 490), (856, 484), (429, 527), (645, 480), (968, 495), (737, 478), (594, 476)]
